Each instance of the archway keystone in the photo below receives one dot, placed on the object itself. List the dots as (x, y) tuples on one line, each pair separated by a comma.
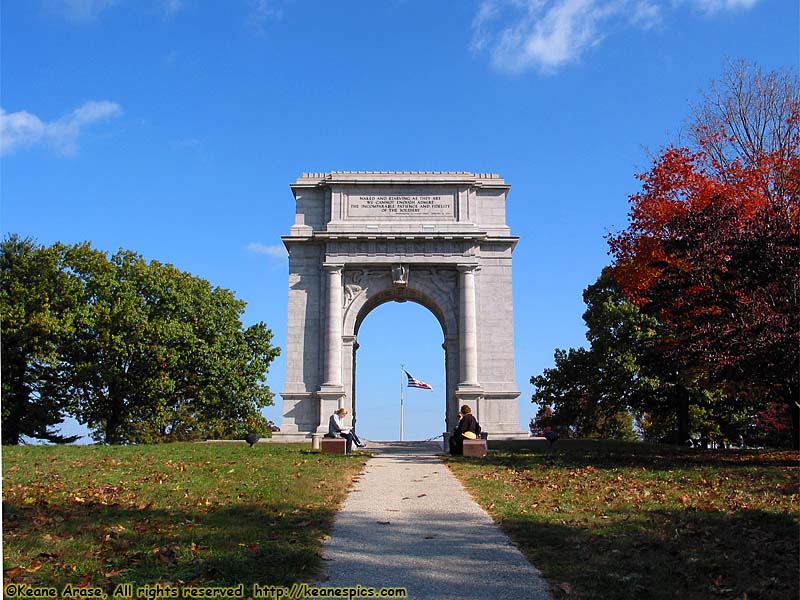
[(361, 239)]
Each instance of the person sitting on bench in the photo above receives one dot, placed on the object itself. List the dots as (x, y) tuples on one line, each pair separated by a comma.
[(336, 428), (468, 428)]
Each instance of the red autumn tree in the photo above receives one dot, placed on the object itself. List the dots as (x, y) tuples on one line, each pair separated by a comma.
[(711, 249)]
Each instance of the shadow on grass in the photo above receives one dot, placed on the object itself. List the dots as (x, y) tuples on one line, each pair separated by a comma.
[(221, 546), (610, 454), (665, 555)]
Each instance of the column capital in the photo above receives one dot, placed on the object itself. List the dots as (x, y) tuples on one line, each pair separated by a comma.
[(333, 267), (468, 268)]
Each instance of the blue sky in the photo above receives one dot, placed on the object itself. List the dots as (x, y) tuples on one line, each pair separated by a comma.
[(174, 127)]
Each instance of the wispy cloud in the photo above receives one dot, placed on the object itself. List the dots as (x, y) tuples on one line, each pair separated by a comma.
[(79, 11), (186, 143), (82, 12), (23, 129), (548, 34), (262, 11), (275, 251), (169, 8), (714, 6)]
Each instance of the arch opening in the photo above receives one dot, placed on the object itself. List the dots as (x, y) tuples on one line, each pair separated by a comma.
[(399, 331)]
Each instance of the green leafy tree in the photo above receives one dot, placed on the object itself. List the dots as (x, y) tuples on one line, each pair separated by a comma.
[(633, 371), (138, 351), (161, 355), (37, 304), (625, 373), (595, 391)]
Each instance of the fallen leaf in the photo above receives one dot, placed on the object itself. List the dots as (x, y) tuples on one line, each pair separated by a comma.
[(114, 572), (34, 566)]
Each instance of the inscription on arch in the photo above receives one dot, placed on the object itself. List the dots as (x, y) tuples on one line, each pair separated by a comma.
[(383, 206)]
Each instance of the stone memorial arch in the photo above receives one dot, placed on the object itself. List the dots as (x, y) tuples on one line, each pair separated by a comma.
[(361, 239)]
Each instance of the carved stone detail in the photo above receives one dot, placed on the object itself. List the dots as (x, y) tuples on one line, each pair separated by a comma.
[(399, 276), (418, 247), (443, 281), (358, 280)]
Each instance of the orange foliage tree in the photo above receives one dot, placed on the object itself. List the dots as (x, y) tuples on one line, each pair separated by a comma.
[(711, 251)]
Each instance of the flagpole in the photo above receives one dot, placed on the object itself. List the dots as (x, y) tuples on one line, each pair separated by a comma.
[(402, 369)]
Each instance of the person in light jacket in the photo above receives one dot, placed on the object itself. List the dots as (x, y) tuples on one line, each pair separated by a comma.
[(336, 428)]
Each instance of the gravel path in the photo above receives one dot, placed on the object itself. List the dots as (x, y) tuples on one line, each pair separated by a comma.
[(409, 523)]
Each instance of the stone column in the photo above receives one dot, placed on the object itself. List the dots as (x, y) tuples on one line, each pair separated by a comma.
[(331, 394), (333, 335), (468, 337)]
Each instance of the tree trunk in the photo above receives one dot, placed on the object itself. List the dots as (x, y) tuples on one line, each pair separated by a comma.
[(794, 411), (16, 398), (681, 398), (113, 423), (11, 430)]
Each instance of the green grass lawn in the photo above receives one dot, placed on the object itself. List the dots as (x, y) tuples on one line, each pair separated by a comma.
[(187, 514), (614, 520)]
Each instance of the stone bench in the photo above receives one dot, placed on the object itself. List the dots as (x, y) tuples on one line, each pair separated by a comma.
[(334, 445), (475, 448)]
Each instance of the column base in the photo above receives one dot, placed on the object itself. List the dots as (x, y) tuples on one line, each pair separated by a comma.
[(331, 398), (330, 392), (279, 437), (466, 393), (509, 435), (300, 413)]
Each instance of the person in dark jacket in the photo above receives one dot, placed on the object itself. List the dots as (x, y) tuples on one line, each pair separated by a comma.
[(467, 425)]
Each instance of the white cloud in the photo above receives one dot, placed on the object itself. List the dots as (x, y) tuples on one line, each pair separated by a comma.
[(548, 34), (23, 129), (80, 11), (714, 6), (276, 251), (263, 10), (170, 8), (186, 143)]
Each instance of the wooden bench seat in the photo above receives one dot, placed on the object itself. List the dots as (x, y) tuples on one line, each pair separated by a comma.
[(475, 448), (334, 445)]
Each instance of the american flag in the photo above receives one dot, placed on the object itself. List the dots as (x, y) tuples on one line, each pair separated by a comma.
[(417, 383)]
